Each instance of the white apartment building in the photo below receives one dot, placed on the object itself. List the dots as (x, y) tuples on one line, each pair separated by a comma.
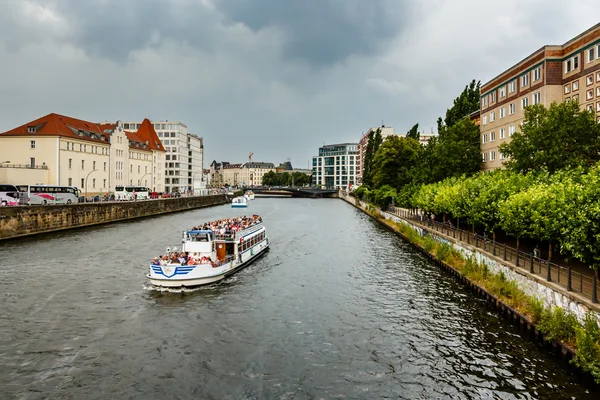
[(335, 166), (60, 150), (184, 157)]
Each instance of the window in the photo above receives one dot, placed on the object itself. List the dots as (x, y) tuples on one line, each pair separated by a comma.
[(131, 168), (511, 109), (492, 155), (484, 156), (70, 182), (485, 119), (591, 54), (589, 80), (511, 130), (511, 87), (589, 94), (105, 165), (31, 129), (32, 162), (94, 165), (524, 102), (590, 107), (537, 74), (492, 136), (525, 80), (82, 182), (82, 164), (575, 98), (598, 106), (492, 97), (501, 156), (536, 98), (492, 116), (598, 91), (70, 164), (32, 144), (502, 133), (104, 183), (575, 62), (484, 101), (567, 88), (94, 183), (598, 74), (484, 138), (502, 92), (138, 169), (568, 66), (502, 112), (575, 85)]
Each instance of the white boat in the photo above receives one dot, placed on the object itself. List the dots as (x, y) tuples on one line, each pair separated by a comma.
[(208, 256), (249, 195), (239, 202)]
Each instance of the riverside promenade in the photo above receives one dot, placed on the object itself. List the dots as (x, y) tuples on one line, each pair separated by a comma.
[(578, 283)]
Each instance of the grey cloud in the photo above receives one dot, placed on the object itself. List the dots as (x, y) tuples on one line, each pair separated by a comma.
[(323, 32)]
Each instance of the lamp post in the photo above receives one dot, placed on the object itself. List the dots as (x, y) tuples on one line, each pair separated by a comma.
[(141, 179), (86, 179)]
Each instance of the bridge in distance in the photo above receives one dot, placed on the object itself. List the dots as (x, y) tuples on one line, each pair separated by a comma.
[(315, 192)]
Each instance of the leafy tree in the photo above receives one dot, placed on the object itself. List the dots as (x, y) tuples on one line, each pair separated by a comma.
[(270, 179), (414, 132), (466, 103), (368, 160), (555, 138), (395, 161)]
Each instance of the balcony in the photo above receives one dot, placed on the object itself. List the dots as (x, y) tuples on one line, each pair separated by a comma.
[(24, 166)]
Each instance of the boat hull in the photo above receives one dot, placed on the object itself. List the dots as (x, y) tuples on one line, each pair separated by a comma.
[(239, 206), (221, 273)]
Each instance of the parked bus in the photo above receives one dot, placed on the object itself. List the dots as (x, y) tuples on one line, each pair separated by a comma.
[(131, 193), (48, 194), (9, 195)]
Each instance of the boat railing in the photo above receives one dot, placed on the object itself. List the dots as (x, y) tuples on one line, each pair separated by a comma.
[(233, 235)]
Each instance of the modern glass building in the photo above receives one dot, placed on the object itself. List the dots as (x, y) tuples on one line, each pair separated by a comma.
[(335, 166)]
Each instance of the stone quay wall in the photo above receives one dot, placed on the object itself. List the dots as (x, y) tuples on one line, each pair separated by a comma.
[(25, 221)]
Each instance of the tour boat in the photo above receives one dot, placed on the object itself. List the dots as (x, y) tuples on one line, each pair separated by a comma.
[(239, 202), (249, 195), (208, 256)]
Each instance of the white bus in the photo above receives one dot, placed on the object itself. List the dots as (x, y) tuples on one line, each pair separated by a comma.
[(48, 194), (9, 195), (131, 193)]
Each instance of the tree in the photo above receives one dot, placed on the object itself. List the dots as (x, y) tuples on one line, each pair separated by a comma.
[(395, 161), (555, 138), (414, 132), (270, 179), (373, 144), (466, 103)]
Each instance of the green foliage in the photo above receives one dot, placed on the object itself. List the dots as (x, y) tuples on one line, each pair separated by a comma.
[(588, 347), (394, 162), (373, 143), (361, 192), (286, 179), (536, 306), (383, 196), (413, 133), (556, 324), (555, 138)]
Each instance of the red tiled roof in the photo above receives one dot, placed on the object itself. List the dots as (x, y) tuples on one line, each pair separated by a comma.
[(147, 133), (60, 125)]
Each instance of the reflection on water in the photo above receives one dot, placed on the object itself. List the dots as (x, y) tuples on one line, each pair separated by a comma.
[(339, 308)]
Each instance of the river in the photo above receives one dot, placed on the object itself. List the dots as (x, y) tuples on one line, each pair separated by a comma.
[(338, 308)]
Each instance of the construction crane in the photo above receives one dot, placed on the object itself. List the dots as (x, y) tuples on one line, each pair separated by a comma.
[(250, 157)]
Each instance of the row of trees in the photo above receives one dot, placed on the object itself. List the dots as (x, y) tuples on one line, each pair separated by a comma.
[(272, 178), (548, 192)]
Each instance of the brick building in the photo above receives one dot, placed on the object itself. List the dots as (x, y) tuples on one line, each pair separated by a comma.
[(554, 73)]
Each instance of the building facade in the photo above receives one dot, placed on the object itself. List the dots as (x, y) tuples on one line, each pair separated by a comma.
[(184, 155), (570, 72), (60, 150), (335, 166), (362, 149)]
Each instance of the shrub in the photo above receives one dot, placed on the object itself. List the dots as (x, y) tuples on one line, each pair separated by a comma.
[(588, 347)]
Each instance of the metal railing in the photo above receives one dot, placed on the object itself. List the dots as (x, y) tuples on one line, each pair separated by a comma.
[(565, 276), (23, 166)]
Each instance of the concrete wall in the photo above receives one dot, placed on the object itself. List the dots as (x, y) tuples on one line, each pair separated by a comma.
[(25, 221)]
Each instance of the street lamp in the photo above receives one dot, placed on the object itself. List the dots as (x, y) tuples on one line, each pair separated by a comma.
[(86, 179)]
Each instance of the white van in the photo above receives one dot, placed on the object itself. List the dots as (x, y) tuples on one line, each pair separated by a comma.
[(9, 195)]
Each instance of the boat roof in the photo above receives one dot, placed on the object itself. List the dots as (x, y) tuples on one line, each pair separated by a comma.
[(198, 231)]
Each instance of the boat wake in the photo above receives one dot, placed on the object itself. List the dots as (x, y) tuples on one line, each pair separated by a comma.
[(151, 288)]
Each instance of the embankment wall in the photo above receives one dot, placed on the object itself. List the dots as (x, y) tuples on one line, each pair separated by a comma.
[(25, 221)]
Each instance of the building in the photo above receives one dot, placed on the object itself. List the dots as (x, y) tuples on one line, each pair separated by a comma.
[(335, 166), (216, 173), (60, 150), (184, 158), (362, 148), (247, 174), (554, 73)]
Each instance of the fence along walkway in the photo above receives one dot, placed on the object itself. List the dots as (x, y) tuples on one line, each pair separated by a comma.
[(572, 281)]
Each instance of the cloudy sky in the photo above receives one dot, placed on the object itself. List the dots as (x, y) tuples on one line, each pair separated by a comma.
[(275, 77)]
